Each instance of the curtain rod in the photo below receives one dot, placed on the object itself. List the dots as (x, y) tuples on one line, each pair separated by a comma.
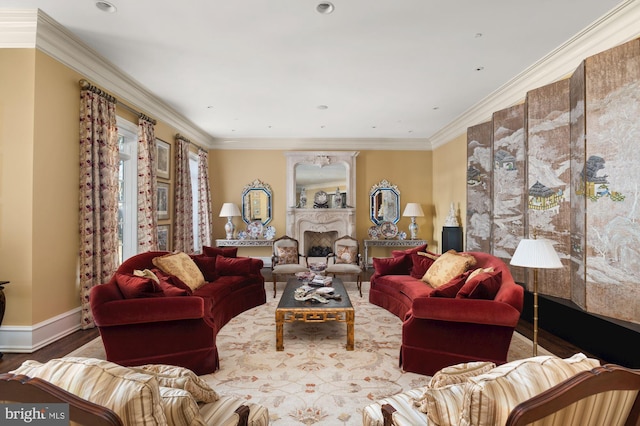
[(85, 85), (179, 136)]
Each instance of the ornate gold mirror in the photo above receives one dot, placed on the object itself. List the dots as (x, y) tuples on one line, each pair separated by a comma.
[(256, 202)]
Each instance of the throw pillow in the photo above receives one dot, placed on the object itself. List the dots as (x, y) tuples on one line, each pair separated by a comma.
[(447, 266), (287, 255), (490, 397), (220, 251), (396, 253), (399, 265), (180, 408), (346, 254), (451, 288), (135, 397), (420, 264), (172, 376), (459, 373), (233, 266), (480, 270), (207, 265), (132, 286), (484, 285), (182, 266), (443, 405), (171, 285), (146, 274)]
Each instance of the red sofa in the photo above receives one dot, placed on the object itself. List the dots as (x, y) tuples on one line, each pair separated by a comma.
[(170, 323), (442, 327)]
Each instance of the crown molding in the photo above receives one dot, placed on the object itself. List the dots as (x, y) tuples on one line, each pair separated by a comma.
[(339, 144), (616, 27), (32, 28)]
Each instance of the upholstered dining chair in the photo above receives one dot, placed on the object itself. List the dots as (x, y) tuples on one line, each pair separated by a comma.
[(286, 259), (345, 259)]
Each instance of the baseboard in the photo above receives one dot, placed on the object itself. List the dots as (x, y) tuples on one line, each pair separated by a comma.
[(28, 339)]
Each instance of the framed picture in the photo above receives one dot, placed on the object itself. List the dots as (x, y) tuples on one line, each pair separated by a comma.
[(164, 233), (163, 157), (163, 200)]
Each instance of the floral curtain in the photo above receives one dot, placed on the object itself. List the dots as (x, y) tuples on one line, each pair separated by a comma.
[(147, 201), (183, 222), (204, 199), (99, 164)]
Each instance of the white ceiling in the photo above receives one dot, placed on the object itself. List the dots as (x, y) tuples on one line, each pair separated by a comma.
[(257, 69)]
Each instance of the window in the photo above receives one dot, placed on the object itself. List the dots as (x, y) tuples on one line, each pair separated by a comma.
[(128, 182), (193, 171)]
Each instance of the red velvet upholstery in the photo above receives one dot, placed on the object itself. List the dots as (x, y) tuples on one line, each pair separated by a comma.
[(442, 331), (177, 330)]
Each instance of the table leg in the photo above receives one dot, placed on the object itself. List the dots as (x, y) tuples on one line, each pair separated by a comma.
[(279, 330), (350, 330)]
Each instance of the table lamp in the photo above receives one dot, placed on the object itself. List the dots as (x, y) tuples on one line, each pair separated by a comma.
[(413, 210), (536, 254), (229, 210)]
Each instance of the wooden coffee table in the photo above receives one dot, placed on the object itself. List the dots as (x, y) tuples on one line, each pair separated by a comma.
[(289, 310)]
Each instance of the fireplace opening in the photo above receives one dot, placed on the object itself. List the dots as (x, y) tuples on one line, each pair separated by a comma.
[(319, 244)]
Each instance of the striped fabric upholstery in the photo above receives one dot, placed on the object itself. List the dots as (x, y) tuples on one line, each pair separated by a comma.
[(221, 412), (135, 397), (180, 408), (172, 376), (491, 396), (459, 373), (403, 402)]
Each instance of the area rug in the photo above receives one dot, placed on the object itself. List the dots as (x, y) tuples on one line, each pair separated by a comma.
[(314, 381)]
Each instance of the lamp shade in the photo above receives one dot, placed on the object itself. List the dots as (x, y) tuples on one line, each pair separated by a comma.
[(413, 210), (229, 210), (536, 254)]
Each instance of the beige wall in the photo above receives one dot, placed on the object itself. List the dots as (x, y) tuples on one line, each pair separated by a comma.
[(449, 184), (231, 170)]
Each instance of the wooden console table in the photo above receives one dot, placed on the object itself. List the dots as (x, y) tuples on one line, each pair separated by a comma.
[(388, 243)]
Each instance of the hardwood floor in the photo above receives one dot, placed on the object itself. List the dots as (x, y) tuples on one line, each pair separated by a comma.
[(73, 341)]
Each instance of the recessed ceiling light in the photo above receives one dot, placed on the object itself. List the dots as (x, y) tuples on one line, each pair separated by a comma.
[(105, 6), (479, 68), (478, 35), (322, 107), (324, 7), (436, 107)]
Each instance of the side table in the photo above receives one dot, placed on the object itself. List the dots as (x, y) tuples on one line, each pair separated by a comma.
[(388, 243)]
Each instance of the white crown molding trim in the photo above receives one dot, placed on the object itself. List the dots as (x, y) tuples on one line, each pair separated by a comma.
[(338, 144), (27, 339), (615, 28), (47, 35)]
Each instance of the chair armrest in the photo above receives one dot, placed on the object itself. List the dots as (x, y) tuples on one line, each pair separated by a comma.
[(475, 311), (387, 414), (148, 310)]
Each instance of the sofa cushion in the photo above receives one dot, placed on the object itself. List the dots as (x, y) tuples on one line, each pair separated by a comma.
[(134, 396), (420, 264), (399, 265), (451, 288), (182, 266), (173, 376), (484, 285), (447, 266), (233, 265), (214, 291), (490, 397), (132, 286), (220, 251)]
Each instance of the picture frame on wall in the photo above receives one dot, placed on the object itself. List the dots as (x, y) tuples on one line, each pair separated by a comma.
[(164, 233), (163, 200), (163, 163)]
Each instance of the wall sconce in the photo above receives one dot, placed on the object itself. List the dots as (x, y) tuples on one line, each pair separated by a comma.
[(229, 210)]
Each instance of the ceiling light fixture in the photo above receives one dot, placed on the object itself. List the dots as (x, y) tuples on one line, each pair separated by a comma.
[(479, 68), (322, 107), (105, 6), (324, 7)]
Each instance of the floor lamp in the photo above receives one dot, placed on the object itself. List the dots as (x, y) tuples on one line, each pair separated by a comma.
[(536, 254)]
